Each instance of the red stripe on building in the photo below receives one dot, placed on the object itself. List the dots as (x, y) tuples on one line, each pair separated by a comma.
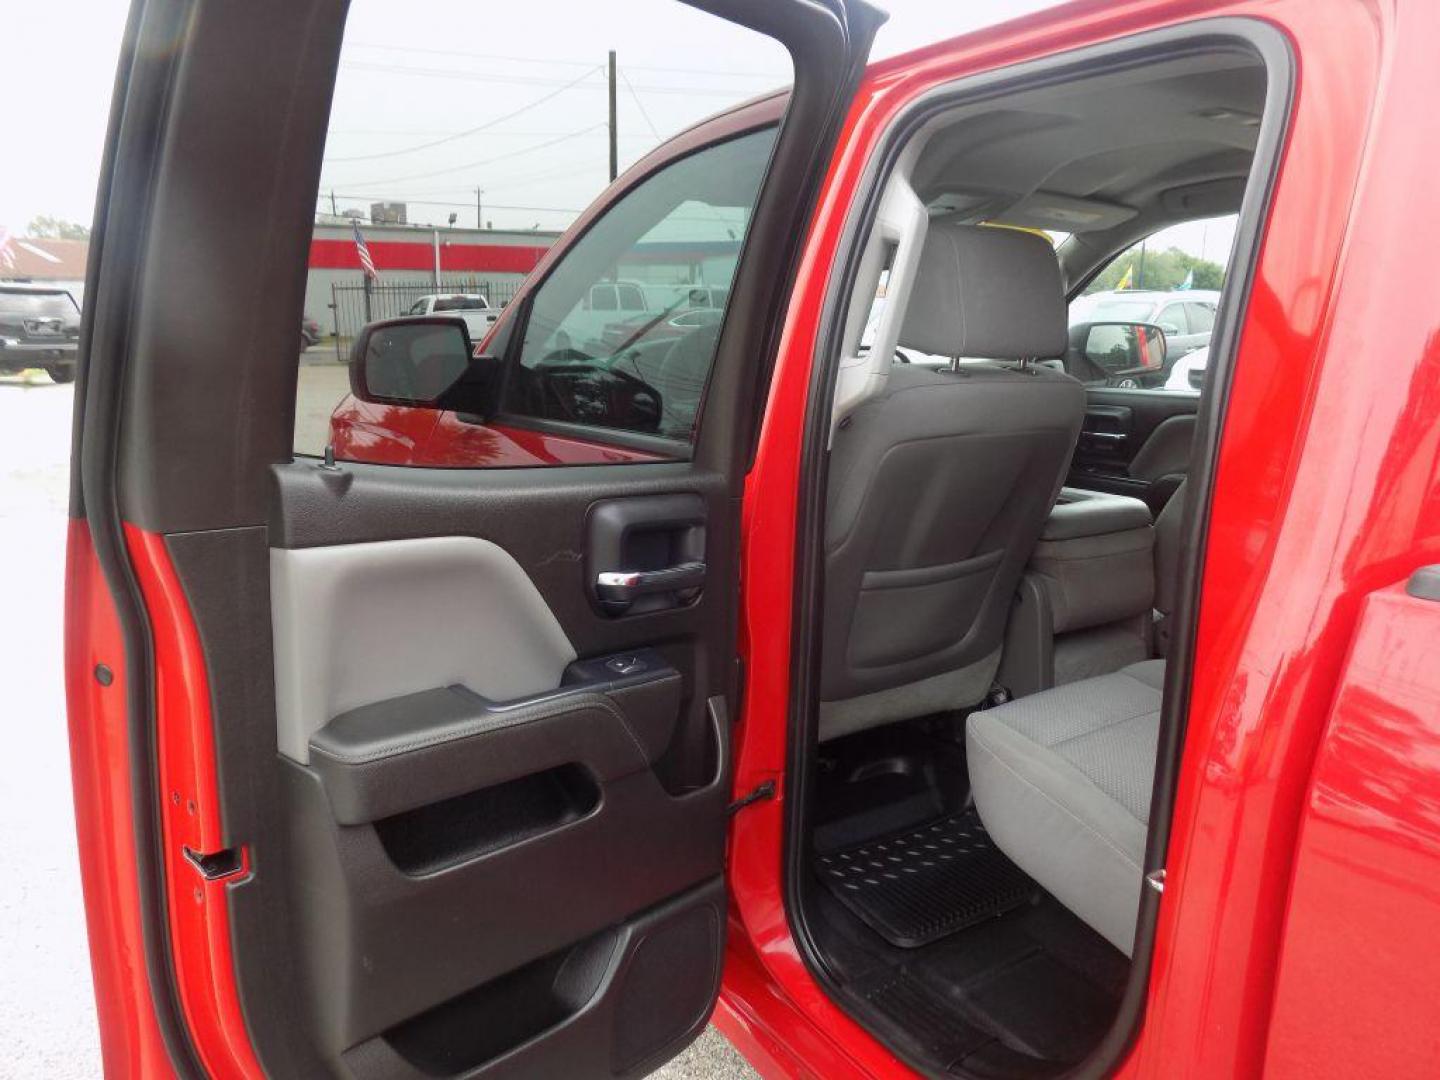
[(400, 255)]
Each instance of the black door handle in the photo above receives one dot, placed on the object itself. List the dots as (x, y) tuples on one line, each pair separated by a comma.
[(618, 589)]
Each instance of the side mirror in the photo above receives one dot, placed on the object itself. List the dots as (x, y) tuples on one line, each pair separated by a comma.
[(1122, 348), (422, 363)]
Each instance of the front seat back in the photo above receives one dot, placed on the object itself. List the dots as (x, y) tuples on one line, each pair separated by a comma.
[(939, 486)]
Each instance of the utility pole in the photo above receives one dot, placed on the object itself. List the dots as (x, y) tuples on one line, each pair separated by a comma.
[(1141, 283), (479, 214), (333, 211), (614, 149)]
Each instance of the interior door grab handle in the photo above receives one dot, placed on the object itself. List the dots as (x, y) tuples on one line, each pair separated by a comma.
[(618, 589)]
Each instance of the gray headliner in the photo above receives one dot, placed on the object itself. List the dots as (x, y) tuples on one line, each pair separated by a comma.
[(1093, 145)]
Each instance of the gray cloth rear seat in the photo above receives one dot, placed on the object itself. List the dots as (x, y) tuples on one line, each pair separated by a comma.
[(1062, 781)]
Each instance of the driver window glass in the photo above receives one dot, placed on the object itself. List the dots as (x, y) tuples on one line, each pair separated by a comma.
[(605, 344), (451, 183)]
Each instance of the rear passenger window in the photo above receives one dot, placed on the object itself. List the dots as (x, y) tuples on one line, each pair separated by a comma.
[(641, 369), (1172, 319), (1202, 318)]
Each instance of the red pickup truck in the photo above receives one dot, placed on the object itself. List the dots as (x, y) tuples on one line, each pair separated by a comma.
[(868, 669)]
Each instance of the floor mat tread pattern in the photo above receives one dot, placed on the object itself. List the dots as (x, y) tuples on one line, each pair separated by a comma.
[(916, 886)]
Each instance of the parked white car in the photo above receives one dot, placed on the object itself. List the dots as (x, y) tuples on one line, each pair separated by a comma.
[(472, 307), (1189, 371)]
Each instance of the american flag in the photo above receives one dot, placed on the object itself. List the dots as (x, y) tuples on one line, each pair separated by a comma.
[(366, 263)]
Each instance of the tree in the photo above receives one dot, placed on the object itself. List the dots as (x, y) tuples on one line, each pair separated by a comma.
[(45, 227), (1162, 270)]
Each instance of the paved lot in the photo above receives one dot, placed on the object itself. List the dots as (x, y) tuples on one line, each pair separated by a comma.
[(47, 1011), (323, 382)]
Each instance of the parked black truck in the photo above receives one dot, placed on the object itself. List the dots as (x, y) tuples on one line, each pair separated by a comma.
[(39, 328)]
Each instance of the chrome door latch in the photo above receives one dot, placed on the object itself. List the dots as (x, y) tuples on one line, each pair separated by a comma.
[(216, 865), (1156, 880)]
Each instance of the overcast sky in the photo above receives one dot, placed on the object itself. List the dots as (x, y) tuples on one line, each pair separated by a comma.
[(438, 97), (414, 71)]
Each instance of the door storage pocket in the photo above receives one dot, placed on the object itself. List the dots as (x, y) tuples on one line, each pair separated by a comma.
[(468, 826), (458, 1035)]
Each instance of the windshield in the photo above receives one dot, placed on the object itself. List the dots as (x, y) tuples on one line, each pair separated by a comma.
[(37, 303), (460, 303)]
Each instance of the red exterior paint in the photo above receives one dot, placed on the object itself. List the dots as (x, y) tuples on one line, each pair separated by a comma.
[(802, 1051), (130, 1038), (190, 818), (394, 435), (1295, 809), (420, 255), (1361, 933), (1324, 492)]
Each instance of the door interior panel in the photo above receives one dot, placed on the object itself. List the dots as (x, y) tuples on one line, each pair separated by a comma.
[(486, 772), (1136, 443), (617, 987), (463, 858), (356, 623), (441, 924), (1166, 452)]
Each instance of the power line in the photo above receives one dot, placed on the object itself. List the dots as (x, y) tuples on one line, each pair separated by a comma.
[(639, 104), (512, 181), (438, 202), (478, 164), (476, 76), (712, 218), (554, 61), (497, 183), (438, 133), (470, 131)]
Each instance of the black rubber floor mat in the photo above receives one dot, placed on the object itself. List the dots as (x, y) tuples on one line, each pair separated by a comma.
[(917, 886)]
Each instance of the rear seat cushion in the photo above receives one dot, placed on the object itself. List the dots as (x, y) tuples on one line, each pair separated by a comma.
[(1062, 781)]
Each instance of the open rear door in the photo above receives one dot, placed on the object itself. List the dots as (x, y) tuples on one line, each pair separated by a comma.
[(378, 773)]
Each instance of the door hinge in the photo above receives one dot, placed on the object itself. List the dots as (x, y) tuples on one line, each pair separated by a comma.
[(1156, 880), (764, 791)]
